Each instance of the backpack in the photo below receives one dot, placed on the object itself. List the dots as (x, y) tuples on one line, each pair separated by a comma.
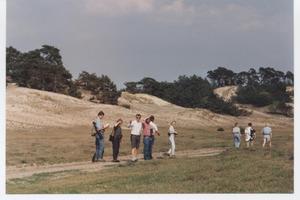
[(252, 133)]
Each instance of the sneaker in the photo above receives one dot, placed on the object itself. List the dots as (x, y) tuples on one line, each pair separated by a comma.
[(134, 159), (172, 156), (115, 161), (94, 158), (101, 160)]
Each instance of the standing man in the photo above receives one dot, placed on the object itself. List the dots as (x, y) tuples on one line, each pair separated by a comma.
[(153, 131), (99, 135), (135, 136), (267, 133), (147, 139), (236, 132)]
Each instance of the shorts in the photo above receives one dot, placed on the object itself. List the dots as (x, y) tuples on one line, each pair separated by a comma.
[(135, 141), (267, 138)]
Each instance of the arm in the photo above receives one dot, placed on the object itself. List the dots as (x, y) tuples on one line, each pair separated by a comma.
[(130, 125), (154, 127)]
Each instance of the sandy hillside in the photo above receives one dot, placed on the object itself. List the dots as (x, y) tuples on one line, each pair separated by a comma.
[(29, 108), (226, 92)]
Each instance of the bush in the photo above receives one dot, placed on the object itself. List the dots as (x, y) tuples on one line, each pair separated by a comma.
[(220, 129), (281, 108)]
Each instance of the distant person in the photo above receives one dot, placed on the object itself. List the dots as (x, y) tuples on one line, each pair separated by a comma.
[(153, 131), (135, 136), (236, 132), (116, 140), (147, 139), (172, 133), (267, 134), (249, 135), (99, 137)]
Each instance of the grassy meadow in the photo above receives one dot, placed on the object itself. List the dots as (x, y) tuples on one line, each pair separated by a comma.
[(253, 170)]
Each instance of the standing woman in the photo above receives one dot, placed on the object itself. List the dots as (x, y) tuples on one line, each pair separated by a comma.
[(172, 132), (116, 139)]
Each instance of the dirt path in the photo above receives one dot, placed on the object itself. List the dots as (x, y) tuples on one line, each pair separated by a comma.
[(22, 172)]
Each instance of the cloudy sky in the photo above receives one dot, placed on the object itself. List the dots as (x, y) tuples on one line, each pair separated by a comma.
[(130, 39)]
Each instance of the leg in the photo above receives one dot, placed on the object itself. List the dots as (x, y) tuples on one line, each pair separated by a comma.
[(172, 144), (235, 141), (147, 144), (238, 141), (151, 146), (97, 154), (114, 148), (264, 142), (101, 148)]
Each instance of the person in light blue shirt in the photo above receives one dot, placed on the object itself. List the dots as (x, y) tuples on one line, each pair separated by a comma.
[(267, 134), (99, 138), (236, 132)]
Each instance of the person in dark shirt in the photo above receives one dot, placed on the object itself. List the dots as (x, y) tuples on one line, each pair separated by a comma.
[(117, 137)]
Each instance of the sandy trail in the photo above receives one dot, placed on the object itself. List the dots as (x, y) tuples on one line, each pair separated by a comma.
[(13, 172)]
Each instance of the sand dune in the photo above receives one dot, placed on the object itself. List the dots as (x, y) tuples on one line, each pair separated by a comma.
[(29, 109)]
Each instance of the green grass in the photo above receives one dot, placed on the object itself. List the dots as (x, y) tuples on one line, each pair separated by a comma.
[(234, 171)]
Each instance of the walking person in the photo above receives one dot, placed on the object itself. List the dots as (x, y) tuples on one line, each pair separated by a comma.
[(249, 135), (236, 132), (172, 133), (267, 134), (147, 139), (153, 131), (135, 136), (116, 139), (99, 137)]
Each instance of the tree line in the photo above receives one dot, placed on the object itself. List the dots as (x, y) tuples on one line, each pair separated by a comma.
[(43, 69)]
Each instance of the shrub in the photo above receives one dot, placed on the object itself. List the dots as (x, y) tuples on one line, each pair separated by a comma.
[(220, 129)]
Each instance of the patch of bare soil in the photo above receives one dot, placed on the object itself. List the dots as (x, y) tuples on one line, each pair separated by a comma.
[(22, 172)]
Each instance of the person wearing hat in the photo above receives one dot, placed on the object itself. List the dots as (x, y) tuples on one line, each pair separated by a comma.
[(116, 139)]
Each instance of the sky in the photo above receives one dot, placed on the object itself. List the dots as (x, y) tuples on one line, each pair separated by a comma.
[(131, 39)]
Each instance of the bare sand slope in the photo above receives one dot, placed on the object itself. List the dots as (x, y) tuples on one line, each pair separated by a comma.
[(226, 92), (29, 108)]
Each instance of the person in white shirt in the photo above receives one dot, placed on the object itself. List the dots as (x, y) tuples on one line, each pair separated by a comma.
[(172, 132), (267, 133), (153, 130), (249, 135), (135, 136), (236, 132)]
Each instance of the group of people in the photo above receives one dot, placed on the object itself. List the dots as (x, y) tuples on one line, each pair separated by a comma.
[(146, 128), (250, 135)]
